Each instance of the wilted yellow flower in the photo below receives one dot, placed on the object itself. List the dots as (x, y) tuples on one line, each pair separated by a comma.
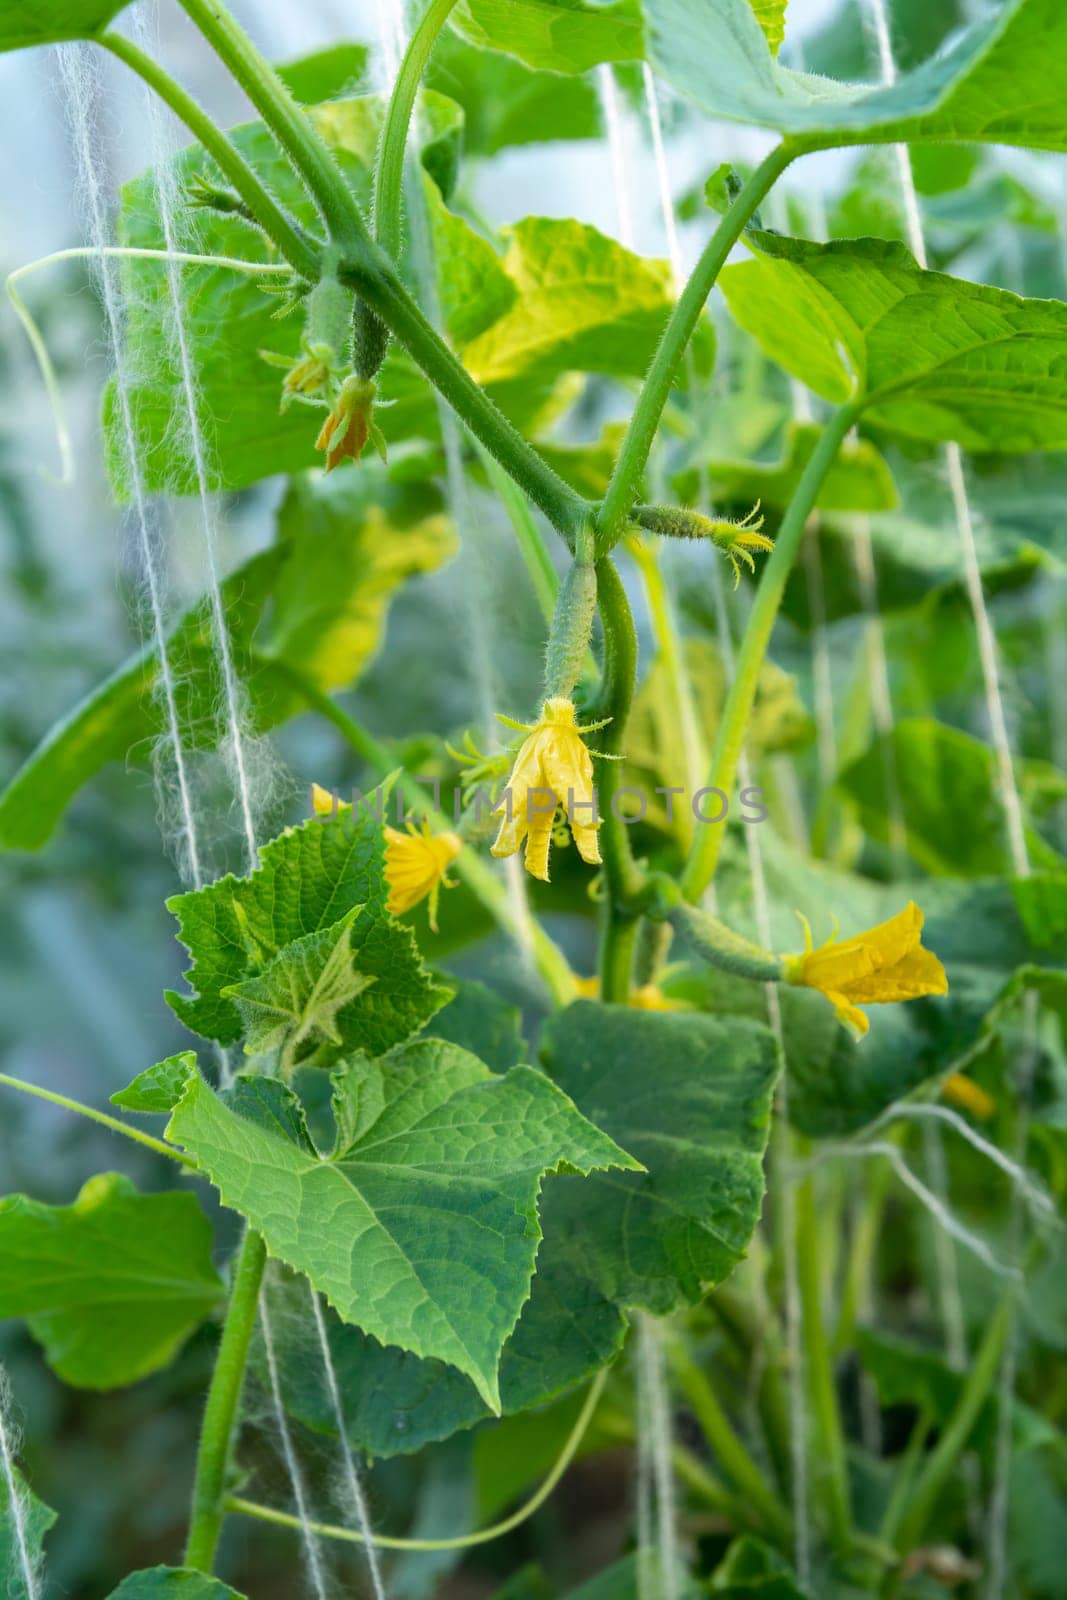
[(350, 424), (415, 866), (964, 1092), (553, 768), (323, 803), (887, 962)]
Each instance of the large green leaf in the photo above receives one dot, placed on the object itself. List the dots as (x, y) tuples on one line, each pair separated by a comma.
[(558, 35), (35, 1519), (994, 83), (308, 879), (112, 1285), (27, 22), (584, 303), (505, 103), (933, 357), (690, 1096), (172, 1583), (936, 763), (395, 1402), (753, 1570), (317, 601), (858, 480), (422, 1226)]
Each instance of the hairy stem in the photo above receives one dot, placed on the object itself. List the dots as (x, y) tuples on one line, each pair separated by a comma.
[(730, 736), (101, 1117), (389, 177), (469, 865), (288, 121), (223, 1399), (633, 456), (301, 252)]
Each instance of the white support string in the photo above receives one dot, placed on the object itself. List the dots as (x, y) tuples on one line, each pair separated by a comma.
[(352, 1481), (657, 1533), (23, 1562), (609, 102), (231, 687), (310, 1540), (77, 72)]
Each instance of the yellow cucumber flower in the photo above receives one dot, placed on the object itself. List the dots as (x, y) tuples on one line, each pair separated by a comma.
[(553, 768), (350, 424), (646, 997), (887, 962), (737, 540), (416, 862)]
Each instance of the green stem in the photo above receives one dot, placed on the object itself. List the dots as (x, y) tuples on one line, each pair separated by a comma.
[(954, 1436), (223, 1399), (294, 244), (375, 280), (469, 865), (733, 1458), (538, 562), (819, 1364), (904, 1477), (101, 1117), (288, 121), (626, 478), (624, 881), (389, 177), (463, 1541), (730, 736)]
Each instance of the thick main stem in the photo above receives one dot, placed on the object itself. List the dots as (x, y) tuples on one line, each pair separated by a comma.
[(681, 324), (389, 177), (730, 737), (300, 251), (288, 121), (220, 1414)]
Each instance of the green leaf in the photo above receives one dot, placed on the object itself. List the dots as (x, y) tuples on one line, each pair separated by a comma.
[(858, 480), (478, 1020), (933, 357), (938, 763), (308, 878), (35, 1520), (992, 84), (172, 1583), (112, 1285), (27, 22), (505, 103), (558, 35), (394, 1402), (316, 601), (422, 1226), (158, 1088), (584, 304), (752, 1570), (331, 74), (297, 998), (690, 1097), (770, 14)]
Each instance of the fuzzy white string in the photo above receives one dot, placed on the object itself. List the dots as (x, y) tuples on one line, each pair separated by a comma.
[(27, 1568), (79, 81), (309, 1538), (657, 1534), (352, 1482), (609, 104)]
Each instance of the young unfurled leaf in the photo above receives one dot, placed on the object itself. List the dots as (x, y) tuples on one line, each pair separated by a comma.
[(931, 357), (296, 1000), (308, 879), (158, 1088), (112, 1285), (690, 1096), (992, 84), (422, 1226)]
